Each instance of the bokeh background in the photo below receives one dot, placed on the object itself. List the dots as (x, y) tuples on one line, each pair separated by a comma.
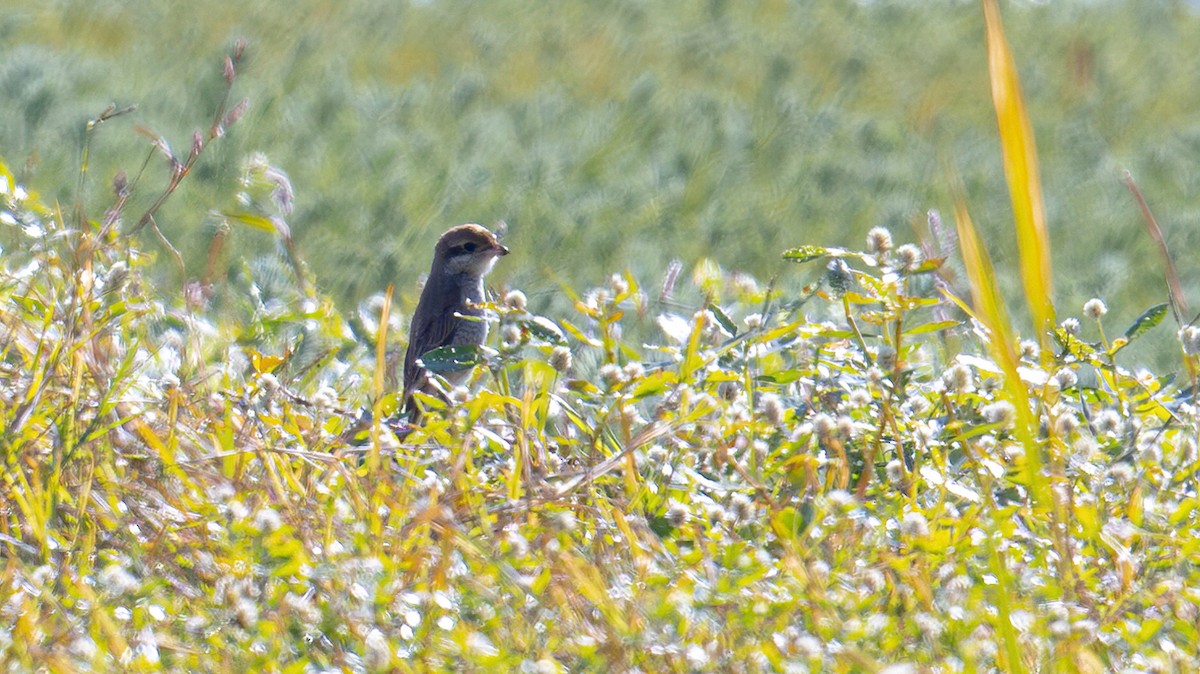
[(618, 135)]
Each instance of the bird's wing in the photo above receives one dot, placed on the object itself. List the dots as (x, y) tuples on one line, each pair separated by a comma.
[(425, 338)]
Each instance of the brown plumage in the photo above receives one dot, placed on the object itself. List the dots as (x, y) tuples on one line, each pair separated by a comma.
[(461, 258)]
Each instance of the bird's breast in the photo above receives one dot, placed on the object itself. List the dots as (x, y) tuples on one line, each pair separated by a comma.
[(473, 329)]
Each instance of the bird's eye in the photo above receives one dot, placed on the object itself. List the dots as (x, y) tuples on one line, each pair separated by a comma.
[(469, 247)]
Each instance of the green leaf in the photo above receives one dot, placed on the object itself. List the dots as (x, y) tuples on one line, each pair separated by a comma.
[(723, 319), (544, 329), (579, 334), (655, 384), (31, 305), (720, 376), (1078, 348), (390, 403), (931, 327), (453, 358), (782, 377), (1146, 322), (784, 330), (791, 523), (1183, 511), (807, 253)]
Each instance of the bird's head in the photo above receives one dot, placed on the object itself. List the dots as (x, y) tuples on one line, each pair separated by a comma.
[(467, 249)]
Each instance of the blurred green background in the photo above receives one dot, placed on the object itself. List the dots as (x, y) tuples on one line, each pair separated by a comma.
[(617, 135)]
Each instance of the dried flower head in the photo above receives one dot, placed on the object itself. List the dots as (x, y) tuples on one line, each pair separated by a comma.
[(845, 426), (959, 378), (1094, 309), (515, 300), (1065, 378), (859, 398), (1107, 422), (908, 257), (741, 507), (1066, 424), (914, 525), (744, 283), (1029, 349), (1000, 412), (1189, 337), (824, 425), (879, 241), (840, 500), (677, 514), (510, 335), (618, 284), (634, 371), (560, 359), (611, 374), (772, 408)]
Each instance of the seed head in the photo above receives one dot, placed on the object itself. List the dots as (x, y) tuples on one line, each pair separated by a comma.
[(634, 371), (1190, 338), (1029, 349), (959, 378), (914, 525), (1066, 378), (612, 374), (1066, 424), (560, 359), (516, 300), (1094, 309), (909, 257), (845, 426), (824, 425), (741, 507), (677, 514), (1001, 412), (1107, 422), (859, 398), (510, 335), (879, 241), (772, 408)]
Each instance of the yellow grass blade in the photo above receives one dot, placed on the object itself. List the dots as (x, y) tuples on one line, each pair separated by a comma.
[(1021, 170), (991, 311)]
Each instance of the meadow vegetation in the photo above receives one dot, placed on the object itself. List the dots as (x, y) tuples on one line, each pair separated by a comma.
[(859, 462), (717, 130)]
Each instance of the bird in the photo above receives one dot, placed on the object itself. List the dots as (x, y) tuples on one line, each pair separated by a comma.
[(449, 311)]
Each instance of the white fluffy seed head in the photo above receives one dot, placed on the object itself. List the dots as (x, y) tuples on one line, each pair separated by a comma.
[(1094, 308)]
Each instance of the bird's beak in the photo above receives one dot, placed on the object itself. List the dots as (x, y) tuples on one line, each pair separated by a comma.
[(501, 250)]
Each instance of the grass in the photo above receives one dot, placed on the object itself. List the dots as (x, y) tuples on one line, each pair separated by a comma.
[(720, 131), (860, 468)]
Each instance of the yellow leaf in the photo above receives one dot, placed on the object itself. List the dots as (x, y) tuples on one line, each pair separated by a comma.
[(265, 364), (1021, 170), (255, 221)]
